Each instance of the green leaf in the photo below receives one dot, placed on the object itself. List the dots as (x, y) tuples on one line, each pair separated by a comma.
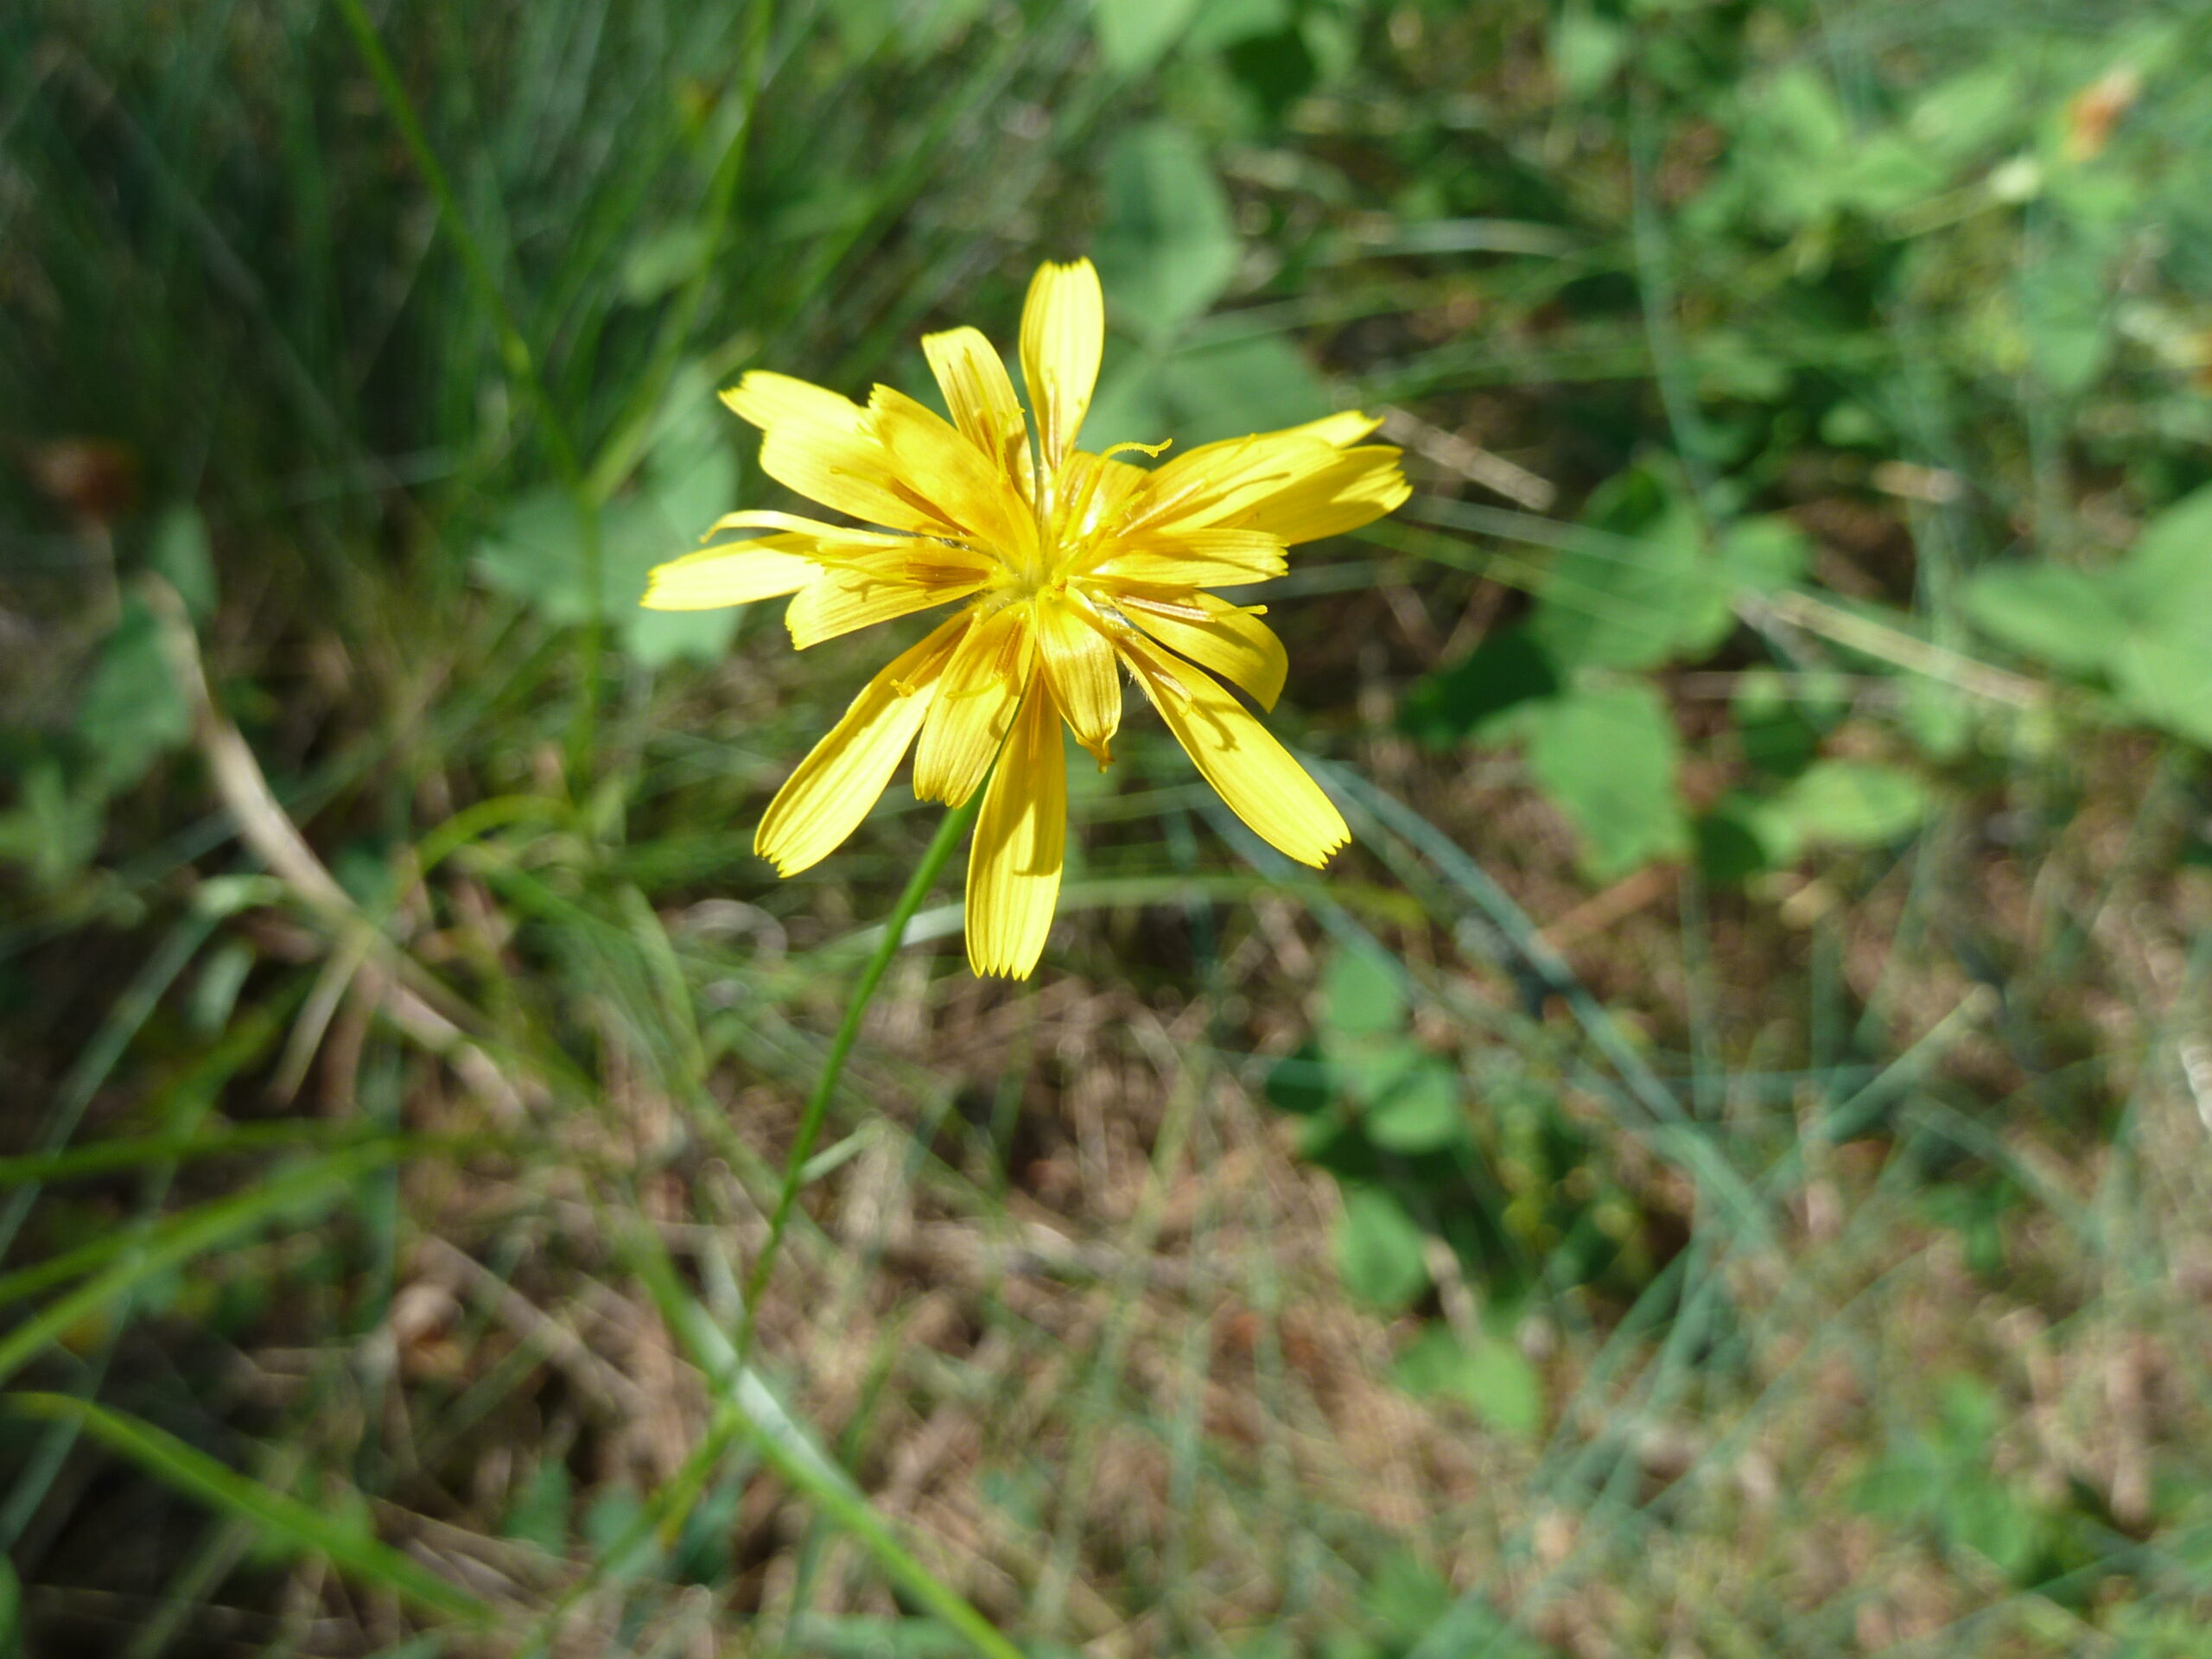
[(1362, 994), (1586, 50), (1607, 758), (538, 549), (1223, 22), (1643, 589), (1301, 1082), (2164, 670), (1492, 1379), (1886, 173), (1368, 1068), (2144, 624), (179, 556), (1730, 847), (1380, 1249), (1405, 1597), (1507, 669), (539, 1513), (1275, 70), (51, 830), (1238, 386), (131, 711), (1167, 249), (1780, 732), (1421, 1110), (1199, 393), (2065, 305), (1763, 554), (1134, 34), (2070, 618), (1841, 803)]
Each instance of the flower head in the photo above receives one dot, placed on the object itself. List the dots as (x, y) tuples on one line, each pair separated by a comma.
[(1068, 569)]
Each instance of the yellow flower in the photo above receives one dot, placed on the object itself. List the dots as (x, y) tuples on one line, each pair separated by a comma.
[(1069, 567)]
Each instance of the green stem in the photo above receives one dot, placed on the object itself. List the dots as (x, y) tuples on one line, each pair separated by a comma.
[(840, 1047)]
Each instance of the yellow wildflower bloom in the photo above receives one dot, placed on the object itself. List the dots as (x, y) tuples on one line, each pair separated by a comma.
[(1070, 568)]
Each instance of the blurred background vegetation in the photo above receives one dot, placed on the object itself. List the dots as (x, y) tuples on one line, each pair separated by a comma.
[(1720, 1168)]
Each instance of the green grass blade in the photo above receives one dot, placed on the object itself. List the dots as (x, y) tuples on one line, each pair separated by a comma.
[(281, 1519)]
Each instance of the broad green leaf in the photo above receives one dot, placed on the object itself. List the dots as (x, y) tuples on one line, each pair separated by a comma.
[(2065, 307), (179, 554), (1363, 994), (2144, 624), (1274, 69), (51, 830), (2069, 619), (1507, 671), (1167, 248), (1938, 719), (1301, 1082), (1380, 1249), (1729, 844), (1973, 114), (539, 1512), (2166, 678), (1421, 1110), (1763, 554), (538, 547), (1643, 589), (131, 711), (1607, 757), (1239, 386), (1492, 1379), (1585, 49), (1841, 803), (1779, 728), (1405, 1596), (1888, 172), (1131, 406), (2164, 670), (1223, 22), (1369, 1068), (1133, 34)]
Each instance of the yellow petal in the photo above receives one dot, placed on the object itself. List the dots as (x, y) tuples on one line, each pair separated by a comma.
[(1341, 429), (827, 448), (982, 690), (729, 575), (1192, 558), (1358, 488), (1063, 334), (1083, 672), (1013, 868), (824, 800), (852, 472), (1208, 486), (973, 378), (1216, 635), (879, 588), (770, 400), (809, 529), (938, 468), (1253, 773)]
